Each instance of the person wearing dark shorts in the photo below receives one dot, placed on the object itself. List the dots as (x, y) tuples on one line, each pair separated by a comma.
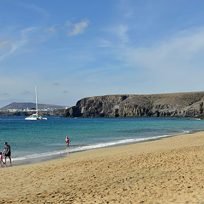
[(7, 152)]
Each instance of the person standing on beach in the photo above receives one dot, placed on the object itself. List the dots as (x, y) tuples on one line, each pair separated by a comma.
[(7, 152), (67, 141)]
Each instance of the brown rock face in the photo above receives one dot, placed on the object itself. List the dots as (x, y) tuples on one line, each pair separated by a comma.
[(170, 105)]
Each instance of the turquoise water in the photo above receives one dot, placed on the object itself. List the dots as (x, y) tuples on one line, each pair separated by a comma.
[(40, 139)]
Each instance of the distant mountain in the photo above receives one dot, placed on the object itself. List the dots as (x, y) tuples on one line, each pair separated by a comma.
[(22, 106)]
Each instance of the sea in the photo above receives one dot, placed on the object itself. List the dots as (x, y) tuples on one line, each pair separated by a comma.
[(33, 141)]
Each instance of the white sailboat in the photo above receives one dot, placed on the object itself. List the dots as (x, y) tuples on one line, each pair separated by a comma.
[(35, 116)]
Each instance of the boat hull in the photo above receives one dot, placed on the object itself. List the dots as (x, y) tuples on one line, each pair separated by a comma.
[(35, 117)]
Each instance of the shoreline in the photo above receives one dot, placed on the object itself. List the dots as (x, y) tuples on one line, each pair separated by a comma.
[(169, 170), (63, 153)]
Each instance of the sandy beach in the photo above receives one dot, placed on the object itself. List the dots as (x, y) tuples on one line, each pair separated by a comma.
[(169, 170)]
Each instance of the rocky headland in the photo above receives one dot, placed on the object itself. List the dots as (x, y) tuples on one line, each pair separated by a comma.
[(155, 105)]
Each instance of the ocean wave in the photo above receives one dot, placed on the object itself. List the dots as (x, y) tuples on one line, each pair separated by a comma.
[(186, 131)]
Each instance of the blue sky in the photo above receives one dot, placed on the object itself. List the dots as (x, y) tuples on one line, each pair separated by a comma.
[(72, 49)]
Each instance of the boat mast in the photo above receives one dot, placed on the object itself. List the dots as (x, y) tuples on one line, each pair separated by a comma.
[(36, 100)]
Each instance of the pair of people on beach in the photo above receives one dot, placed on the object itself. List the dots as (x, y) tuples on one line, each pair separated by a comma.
[(5, 154)]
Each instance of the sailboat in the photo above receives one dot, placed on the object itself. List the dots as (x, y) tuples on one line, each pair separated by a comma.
[(35, 116)]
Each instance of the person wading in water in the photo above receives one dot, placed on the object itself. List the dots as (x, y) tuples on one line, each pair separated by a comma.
[(7, 152), (67, 140)]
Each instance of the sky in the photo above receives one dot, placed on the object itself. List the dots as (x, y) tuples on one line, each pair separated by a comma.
[(71, 49)]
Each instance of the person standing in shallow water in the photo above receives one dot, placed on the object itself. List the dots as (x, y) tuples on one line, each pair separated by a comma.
[(67, 141), (7, 152)]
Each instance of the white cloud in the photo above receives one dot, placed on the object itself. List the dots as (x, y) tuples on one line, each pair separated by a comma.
[(77, 28), (174, 64), (26, 31), (176, 52), (10, 46)]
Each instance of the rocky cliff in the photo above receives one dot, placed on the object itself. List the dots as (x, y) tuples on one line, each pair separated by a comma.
[(170, 105)]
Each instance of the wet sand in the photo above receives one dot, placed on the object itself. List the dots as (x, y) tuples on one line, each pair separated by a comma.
[(169, 170)]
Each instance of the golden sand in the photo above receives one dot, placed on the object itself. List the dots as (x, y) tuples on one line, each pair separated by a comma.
[(170, 170)]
